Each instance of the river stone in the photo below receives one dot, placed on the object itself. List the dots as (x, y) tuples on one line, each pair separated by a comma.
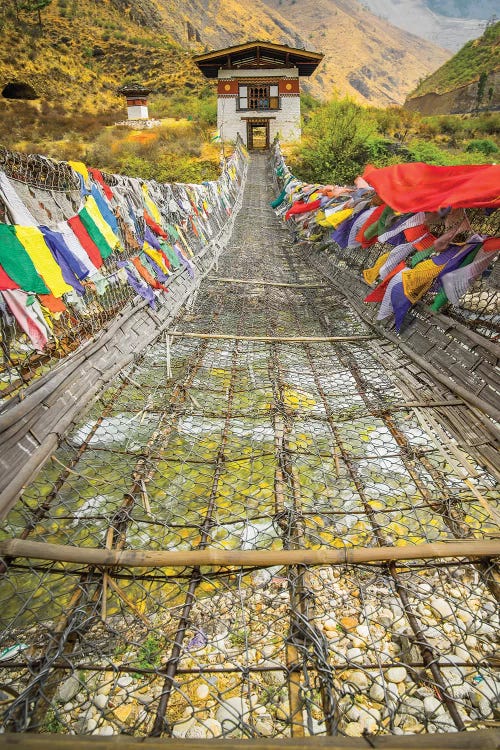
[(106, 731), (359, 679), (369, 719), (68, 689), (196, 731), (385, 617), (485, 691), (393, 692), (100, 701), (485, 629), (441, 607), (232, 713), (265, 727), (397, 674), (353, 729), (432, 705), (461, 653), (275, 677), (353, 713), (202, 692), (90, 725), (361, 636), (124, 681), (354, 654), (213, 728), (377, 692), (180, 729), (144, 698), (412, 705)]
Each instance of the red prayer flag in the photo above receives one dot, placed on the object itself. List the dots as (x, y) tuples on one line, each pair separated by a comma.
[(86, 241), (6, 282), (415, 187)]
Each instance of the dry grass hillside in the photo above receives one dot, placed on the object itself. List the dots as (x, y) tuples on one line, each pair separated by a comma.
[(87, 49)]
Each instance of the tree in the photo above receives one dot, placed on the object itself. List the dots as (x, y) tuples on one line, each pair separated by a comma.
[(481, 86), (32, 6)]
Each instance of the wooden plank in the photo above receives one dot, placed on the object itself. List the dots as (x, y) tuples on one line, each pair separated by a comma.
[(465, 356), (483, 739)]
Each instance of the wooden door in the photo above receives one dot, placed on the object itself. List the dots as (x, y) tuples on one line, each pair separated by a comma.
[(258, 135)]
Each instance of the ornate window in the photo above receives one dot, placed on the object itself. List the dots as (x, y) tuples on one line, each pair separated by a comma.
[(260, 97)]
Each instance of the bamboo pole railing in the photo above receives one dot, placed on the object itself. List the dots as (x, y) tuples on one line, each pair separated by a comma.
[(139, 558)]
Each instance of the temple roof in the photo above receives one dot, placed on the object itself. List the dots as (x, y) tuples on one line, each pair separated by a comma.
[(134, 89), (258, 54)]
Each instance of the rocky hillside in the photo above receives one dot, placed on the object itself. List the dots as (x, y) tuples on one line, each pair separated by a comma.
[(365, 57), (470, 81), (448, 23), (87, 49)]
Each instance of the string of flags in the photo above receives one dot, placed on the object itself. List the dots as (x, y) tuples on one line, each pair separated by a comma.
[(128, 233), (399, 207)]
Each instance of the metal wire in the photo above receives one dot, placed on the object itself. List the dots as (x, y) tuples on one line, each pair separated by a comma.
[(51, 191), (234, 444)]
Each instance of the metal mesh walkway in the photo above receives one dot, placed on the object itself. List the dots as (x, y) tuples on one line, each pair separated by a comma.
[(238, 443)]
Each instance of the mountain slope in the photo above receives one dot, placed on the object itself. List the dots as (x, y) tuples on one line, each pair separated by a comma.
[(365, 57), (438, 22), (87, 50), (464, 8), (469, 81)]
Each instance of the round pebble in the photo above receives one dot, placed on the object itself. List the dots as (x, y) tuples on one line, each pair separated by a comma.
[(354, 654), (265, 727), (213, 727), (124, 681), (181, 728), (359, 679), (231, 713), (202, 692), (353, 729), (101, 701), (196, 731), (361, 636), (431, 705), (377, 692), (397, 674), (441, 607)]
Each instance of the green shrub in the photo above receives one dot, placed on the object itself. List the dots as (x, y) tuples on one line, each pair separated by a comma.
[(484, 145), (337, 142), (428, 152)]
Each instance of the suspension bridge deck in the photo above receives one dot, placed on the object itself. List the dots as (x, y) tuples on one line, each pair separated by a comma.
[(269, 417)]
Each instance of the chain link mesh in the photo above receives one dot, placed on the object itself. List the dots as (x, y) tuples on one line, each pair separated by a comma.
[(51, 192), (256, 445)]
